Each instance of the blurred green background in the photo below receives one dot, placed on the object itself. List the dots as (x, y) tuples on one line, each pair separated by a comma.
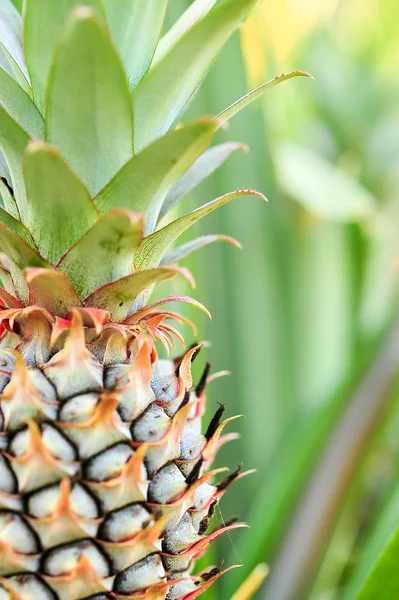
[(301, 315)]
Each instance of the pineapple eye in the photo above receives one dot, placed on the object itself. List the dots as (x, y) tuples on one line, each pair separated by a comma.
[(15, 532), (31, 587), (107, 464), (141, 575), (166, 485), (123, 523), (151, 426), (64, 559)]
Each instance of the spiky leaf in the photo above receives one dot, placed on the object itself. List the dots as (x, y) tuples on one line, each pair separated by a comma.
[(58, 202), (193, 245), (89, 115), (153, 247), (141, 185), (177, 76), (43, 23), (19, 106), (105, 253), (135, 26), (119, 297), (203, 167), (196, 11), (237, 106)]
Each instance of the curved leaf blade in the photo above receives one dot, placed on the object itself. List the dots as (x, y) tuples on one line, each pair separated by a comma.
[(141, 185), (93, 129), (15, 71), (203, 168), (237, 106), (119, 297), (13, 142), (153, 247), (196, 11), (193, 245), (19, 106), (176, 77), (105, 253), (135, 27), (58, 202), (41, 36)]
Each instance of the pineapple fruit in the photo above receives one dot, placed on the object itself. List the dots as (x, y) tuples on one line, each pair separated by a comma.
[(106, 485)]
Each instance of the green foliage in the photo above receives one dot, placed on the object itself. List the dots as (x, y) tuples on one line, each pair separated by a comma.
[(41, 36), (105, 253), (20, 106), (57, 202), (119, 297), (136, 44), (154, 246), (176, 77), (93, 128), (141, 185)]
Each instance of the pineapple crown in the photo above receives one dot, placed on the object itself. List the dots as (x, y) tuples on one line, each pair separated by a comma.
[(92, 161)]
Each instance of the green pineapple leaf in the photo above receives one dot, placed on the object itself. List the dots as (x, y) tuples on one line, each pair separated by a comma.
[(13, 142), (15, 71), (105, 253), (135, 27), (58, 202), (176, 77), (196, 11), (20, 106), (11, 36), (153, 247), (119, 297), (141, 185), (18, 250), (237, 106), (193, 245), (51, 290), (89, 114), (43, 23), (16, 226), (203, 168)]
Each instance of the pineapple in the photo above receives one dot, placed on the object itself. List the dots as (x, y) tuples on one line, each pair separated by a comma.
[(106, 484)]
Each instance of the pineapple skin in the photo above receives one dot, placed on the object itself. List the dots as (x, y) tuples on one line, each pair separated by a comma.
[(105, 487)]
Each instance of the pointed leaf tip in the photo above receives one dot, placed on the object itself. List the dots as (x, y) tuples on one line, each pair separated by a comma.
[(253, 95), (153, 247)]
